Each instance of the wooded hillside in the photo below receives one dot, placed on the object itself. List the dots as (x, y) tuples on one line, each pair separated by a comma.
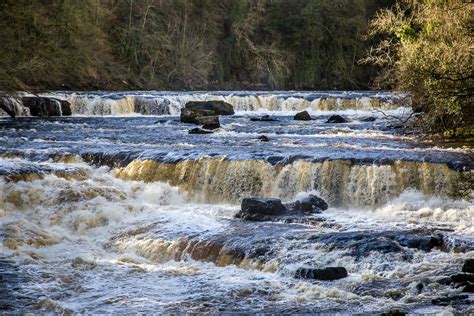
[(185, 44)]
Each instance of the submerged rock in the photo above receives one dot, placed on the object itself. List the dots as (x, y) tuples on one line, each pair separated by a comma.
[(425, 243), (302, 116), (362, 243), (263, 138), (324, 274), (199, 131), (43, 106), (468, 266), (445, 301), (368, 119), (263, 118), (394, 312), (216, 107)]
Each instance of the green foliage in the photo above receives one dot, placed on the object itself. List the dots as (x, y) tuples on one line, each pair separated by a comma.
[(433, 61)]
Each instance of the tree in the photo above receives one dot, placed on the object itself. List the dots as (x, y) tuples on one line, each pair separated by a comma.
[(427, 51)]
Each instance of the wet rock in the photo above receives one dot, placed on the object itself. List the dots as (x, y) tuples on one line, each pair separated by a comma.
[(302, 116), (324, 274), (191, 115), (468, 266), (468, 288), (462, 277), (263, 138), (310, 204), (425, 243), (264, 118), (199, 131), (216, 107), (43, 106), (209, 122), (268, 209), (268, 206), (368, 119), (336, 119), (394, 312), (364, 242), (445, 301), (13, 107)]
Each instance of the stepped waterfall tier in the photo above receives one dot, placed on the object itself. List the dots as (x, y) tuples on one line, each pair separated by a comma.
[(120, 208)]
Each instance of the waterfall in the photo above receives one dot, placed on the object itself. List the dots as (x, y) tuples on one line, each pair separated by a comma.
[(340, 182), (154, 103)]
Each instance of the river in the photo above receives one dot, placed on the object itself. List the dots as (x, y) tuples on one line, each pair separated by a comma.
[(118, 209)]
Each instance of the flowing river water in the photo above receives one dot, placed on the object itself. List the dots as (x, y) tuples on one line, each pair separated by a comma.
[(117, 209)]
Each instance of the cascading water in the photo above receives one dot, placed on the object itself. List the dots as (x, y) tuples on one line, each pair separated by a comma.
[(131, 213), (162, 103)]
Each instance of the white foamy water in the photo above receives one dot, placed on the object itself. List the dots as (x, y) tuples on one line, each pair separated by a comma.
[(101, 244), (118, 209)]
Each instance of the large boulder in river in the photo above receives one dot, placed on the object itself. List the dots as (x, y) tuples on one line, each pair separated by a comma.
[(216, 107), (336, 119), (310, 204), (302, 116), (267, 206), (324, 274), (191, 116), (271, 209), (44, 106)]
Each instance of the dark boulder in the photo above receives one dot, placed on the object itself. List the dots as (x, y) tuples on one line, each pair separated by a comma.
[(324, 274), (462, 278), (302, 116), (269, 209), (216, 107), (43, 106), (310, 204), (336, 119), (468, 266), (469, 288), (368, 119), (263, 138), (268, 206), (191, 116), (199, 131), (264, 118), (208, 122)]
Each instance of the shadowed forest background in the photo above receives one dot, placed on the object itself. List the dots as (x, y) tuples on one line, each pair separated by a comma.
[(423, 47)]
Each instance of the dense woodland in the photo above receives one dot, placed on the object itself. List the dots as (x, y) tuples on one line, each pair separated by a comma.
[(424, 47)]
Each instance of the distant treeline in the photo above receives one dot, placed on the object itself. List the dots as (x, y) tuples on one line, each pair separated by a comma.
[(186, 44), (420, 46)]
